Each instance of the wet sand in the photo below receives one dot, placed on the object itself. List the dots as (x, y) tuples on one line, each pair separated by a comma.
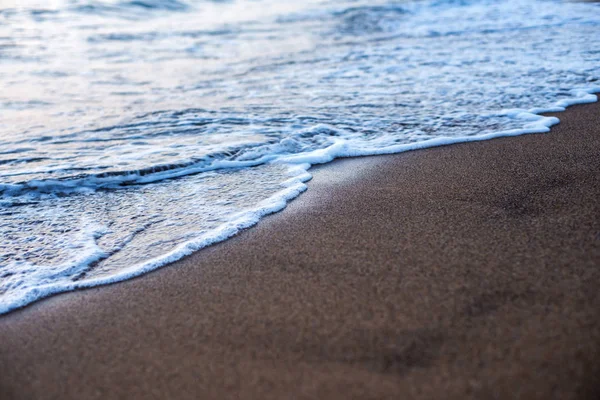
[(467, 271)]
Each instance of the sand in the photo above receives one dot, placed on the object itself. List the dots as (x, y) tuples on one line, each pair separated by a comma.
[(467, 271)]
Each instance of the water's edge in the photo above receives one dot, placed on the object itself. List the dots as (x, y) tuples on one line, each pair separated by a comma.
[(296, 185)]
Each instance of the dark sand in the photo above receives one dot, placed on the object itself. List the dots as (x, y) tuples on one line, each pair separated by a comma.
[(469, 271)]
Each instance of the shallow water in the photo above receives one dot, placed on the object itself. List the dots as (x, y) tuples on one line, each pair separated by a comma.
[(135, 132)]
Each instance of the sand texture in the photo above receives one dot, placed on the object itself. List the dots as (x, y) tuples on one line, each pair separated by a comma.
[(467, 271)]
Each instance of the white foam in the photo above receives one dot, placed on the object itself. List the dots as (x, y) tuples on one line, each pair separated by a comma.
[(45, 283)]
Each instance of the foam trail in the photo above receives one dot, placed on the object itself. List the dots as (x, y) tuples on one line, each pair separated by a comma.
[(538, 124), (294, 186)]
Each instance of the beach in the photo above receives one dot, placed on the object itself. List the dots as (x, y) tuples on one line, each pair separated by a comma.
[(464, 271)]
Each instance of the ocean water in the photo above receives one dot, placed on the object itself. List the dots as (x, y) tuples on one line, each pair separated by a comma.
[(133, 133)]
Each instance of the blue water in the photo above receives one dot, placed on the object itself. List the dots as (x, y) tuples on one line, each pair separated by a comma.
[(135, 132)]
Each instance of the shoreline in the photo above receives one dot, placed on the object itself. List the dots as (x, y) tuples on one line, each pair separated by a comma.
[(541, 121), (457, 271)]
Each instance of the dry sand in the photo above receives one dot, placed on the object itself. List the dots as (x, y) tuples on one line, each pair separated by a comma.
[(468, 271)]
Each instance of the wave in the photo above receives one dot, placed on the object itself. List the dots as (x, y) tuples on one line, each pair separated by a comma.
[(27, 282), (319, 143), (24, 283), (128, 9), (304, 140), (366, 20)]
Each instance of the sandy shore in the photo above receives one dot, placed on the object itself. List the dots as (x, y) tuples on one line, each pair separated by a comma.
[(468, 271)]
